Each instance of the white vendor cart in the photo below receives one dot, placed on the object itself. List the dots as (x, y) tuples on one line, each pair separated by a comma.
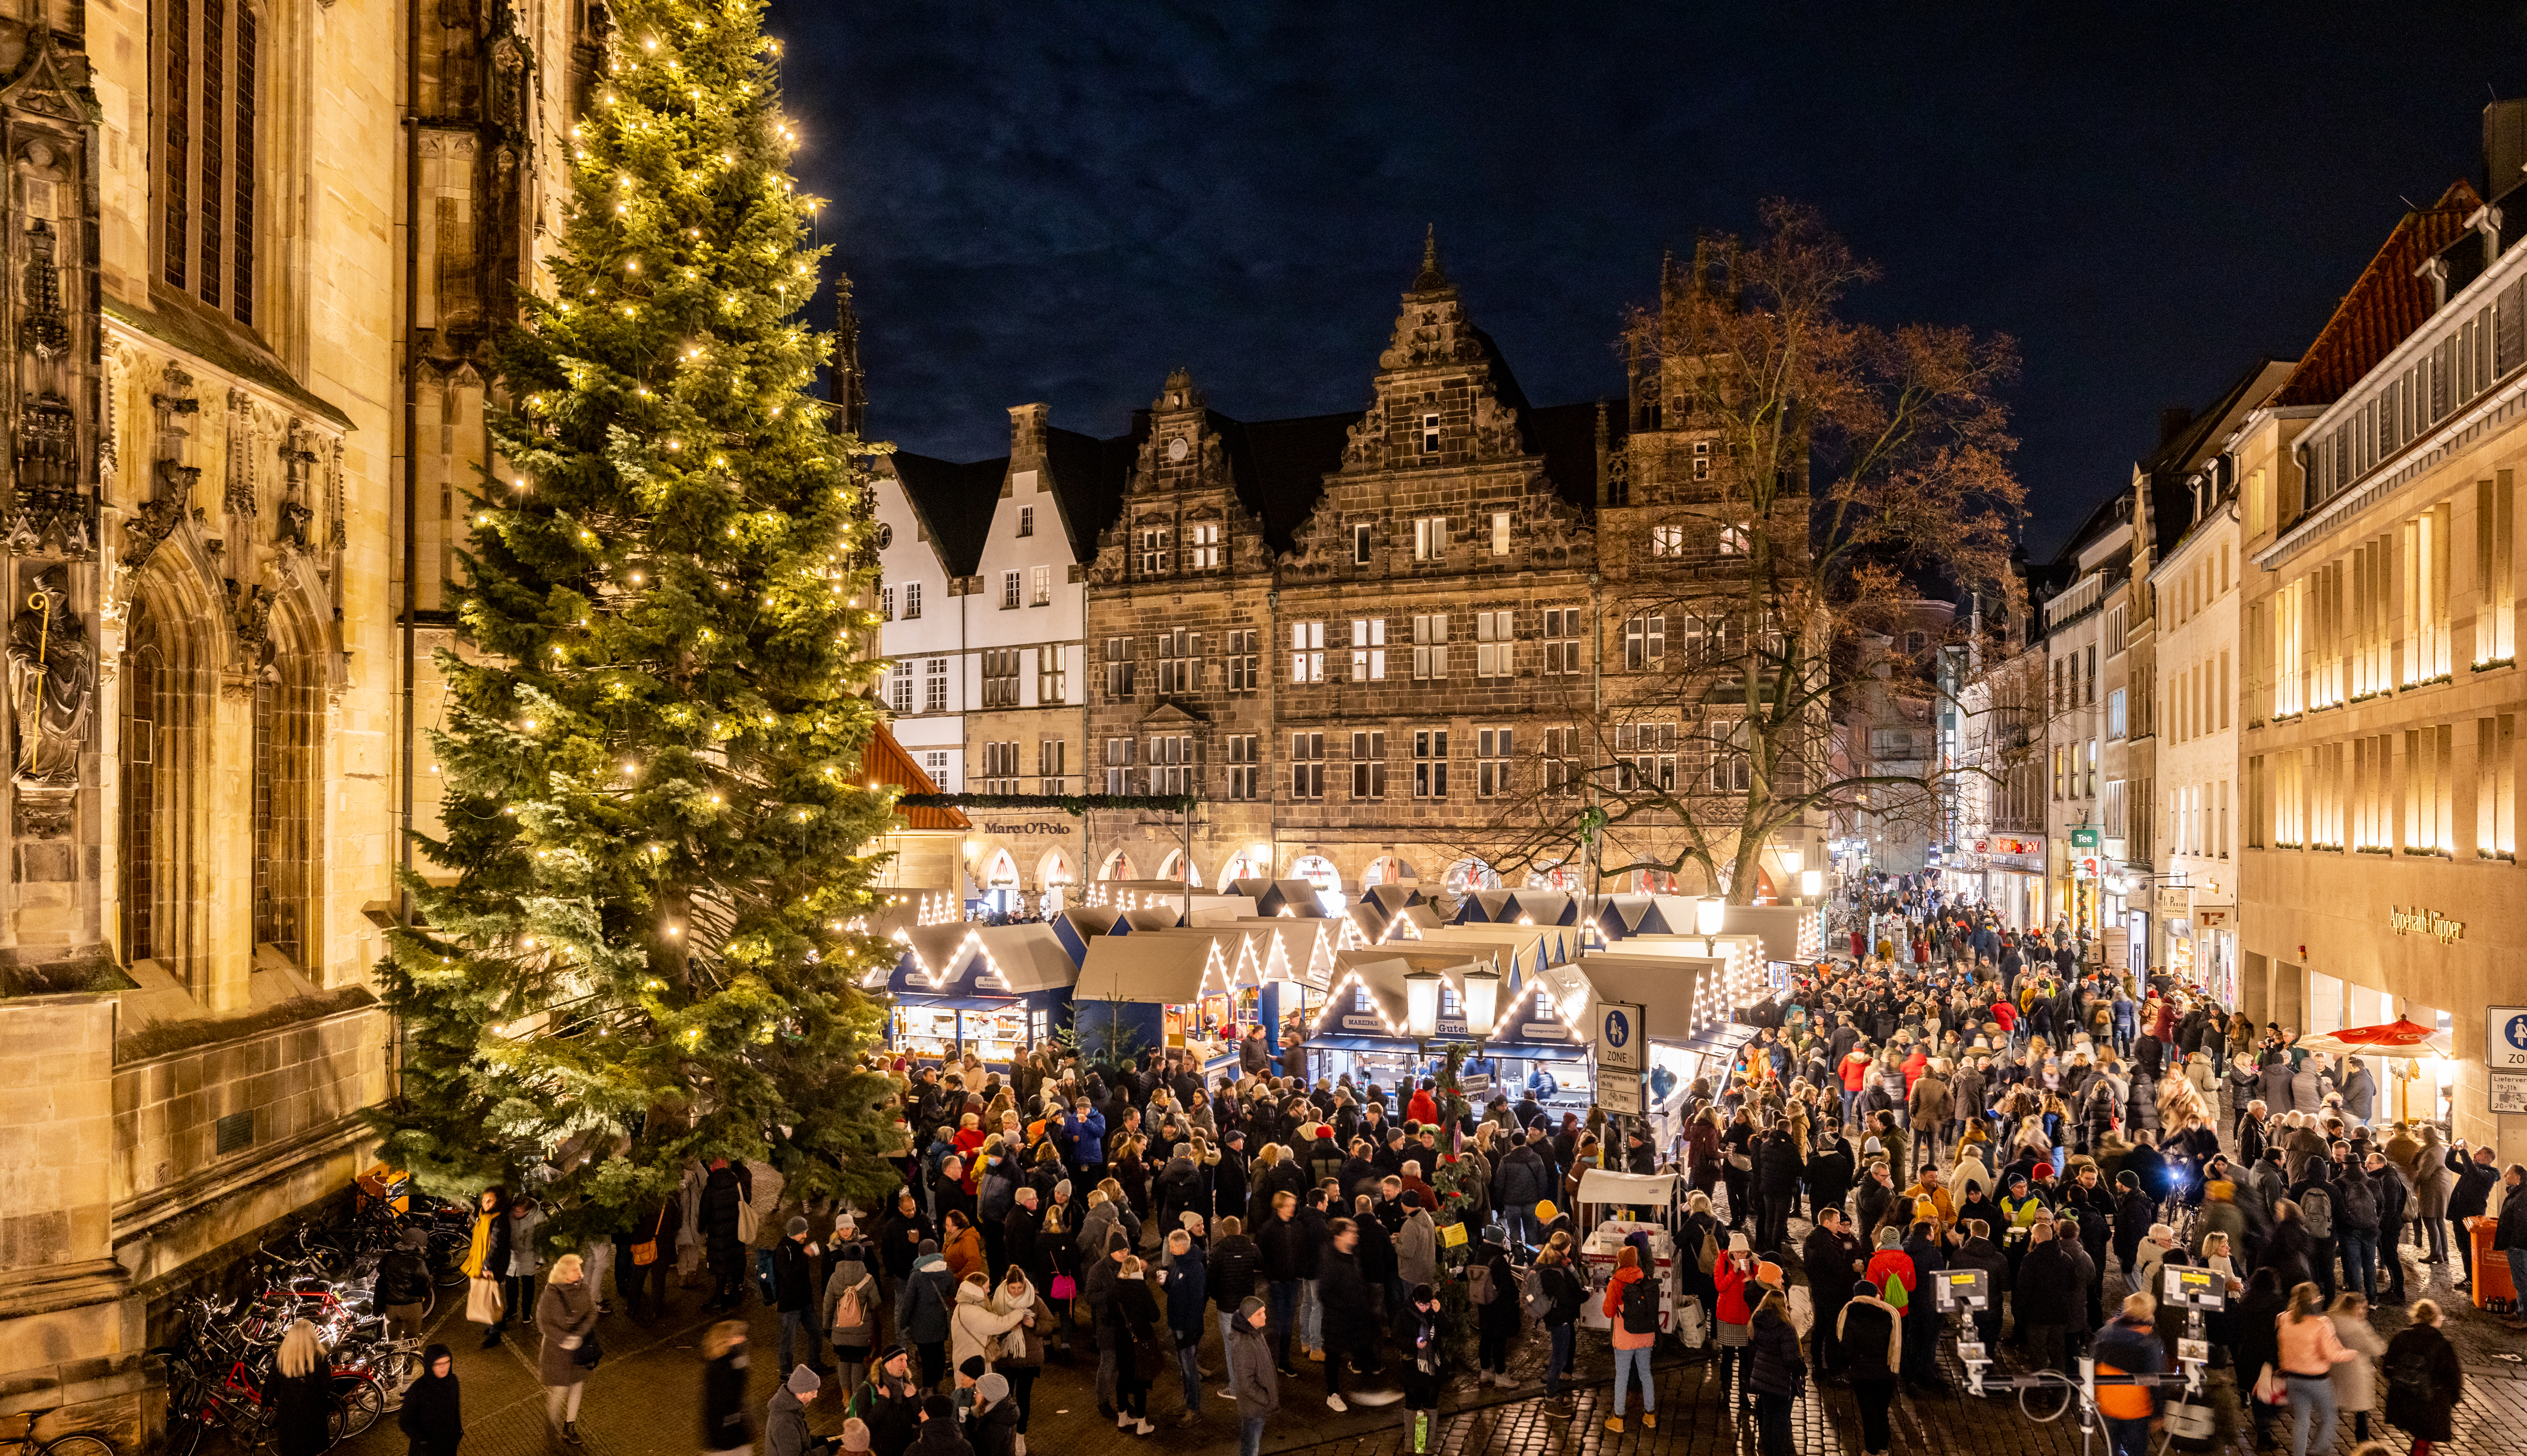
[(1603, 1192)]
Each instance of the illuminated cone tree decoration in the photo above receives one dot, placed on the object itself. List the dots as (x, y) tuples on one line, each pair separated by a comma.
[(639, 949)]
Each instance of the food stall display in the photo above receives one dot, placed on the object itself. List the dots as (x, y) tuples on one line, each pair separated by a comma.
[(996, 990), (1604, 1193), (1166, 988), (1685, 998), (1531, 1043)]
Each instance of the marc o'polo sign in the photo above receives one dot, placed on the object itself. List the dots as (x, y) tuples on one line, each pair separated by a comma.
[(2430, 922)]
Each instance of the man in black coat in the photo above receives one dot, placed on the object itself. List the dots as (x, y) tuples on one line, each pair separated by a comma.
[(1228, 1180), (1922, 1318), (728, 1186), (2047, 1298), (1829, 1171), (1833, 1259), (1349, 1306), (2475, 1175), (2392, 1196), (1777, 1171), (1021, 1237), (1236, 1270)]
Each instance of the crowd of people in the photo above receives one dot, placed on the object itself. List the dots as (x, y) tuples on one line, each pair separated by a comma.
[(1951, 1095)]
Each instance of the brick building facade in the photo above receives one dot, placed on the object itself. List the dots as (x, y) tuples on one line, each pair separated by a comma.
[(1367, 641)]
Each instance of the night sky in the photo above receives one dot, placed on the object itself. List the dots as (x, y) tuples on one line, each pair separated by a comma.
[(1048, 201)]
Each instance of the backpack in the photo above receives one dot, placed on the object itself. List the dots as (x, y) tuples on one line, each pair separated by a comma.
[(2408, 1376), (1640, 1306), (1478, 1285), (850, 1312), (2359, 1204), (2317, 1209), (1707, 1258), (1532, 1301), (1896, 1295)]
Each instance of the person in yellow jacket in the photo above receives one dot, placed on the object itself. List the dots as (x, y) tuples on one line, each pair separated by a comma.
[(488, 1256), (1929, 1193)]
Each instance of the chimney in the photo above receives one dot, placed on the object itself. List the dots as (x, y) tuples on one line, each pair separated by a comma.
[(2171, 424), (2504, 146), (1027, 424)]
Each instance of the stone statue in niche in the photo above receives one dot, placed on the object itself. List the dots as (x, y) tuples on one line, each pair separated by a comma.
[(52, 682)]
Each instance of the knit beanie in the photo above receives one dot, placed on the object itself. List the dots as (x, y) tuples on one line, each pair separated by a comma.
[(804, 1381)]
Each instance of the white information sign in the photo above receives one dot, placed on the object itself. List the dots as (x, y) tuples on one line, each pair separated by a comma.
[(1620, 1093), (2504, 1037), (1621, 1045)]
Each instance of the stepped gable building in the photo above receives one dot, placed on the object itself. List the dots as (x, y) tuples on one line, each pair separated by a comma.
[(1366, 641), (1333, 628)]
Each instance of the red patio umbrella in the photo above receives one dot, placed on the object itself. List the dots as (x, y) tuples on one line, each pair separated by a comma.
[(2399, 1035)]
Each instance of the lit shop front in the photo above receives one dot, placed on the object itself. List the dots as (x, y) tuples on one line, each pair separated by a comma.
[(1366, 1027), (2013, 873), (996, 991)]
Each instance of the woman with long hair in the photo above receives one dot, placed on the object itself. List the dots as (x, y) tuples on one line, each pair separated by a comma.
[(2355, 1381), (300, 1396), (566, 1316), (2309, 1350)]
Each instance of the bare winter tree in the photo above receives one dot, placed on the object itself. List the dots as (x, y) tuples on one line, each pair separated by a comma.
[(1801, 499)]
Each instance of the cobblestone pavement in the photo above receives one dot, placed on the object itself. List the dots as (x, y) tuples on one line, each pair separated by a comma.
[(644, 1400)]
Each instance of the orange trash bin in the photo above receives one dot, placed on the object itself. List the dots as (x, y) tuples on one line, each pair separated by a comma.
[(2491, 1268)]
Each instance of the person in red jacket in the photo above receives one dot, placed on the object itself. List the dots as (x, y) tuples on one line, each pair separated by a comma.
[(1631, 1346), (1890, 1262), (1734, 1276), (1423, 1108)]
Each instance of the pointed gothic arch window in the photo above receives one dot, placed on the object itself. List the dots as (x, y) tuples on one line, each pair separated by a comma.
[(144, 820), (210, 59), (288, 718)]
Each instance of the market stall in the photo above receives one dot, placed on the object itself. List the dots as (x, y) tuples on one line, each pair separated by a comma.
[(1685, 1000), (1605, 1198), (1791, 933), (1617, 916), (996, 990), (1158, 988)]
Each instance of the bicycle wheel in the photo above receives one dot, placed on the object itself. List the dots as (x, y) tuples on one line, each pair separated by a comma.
[(78, 1443), (184, 1432), (357, 1404), (396, 1369)]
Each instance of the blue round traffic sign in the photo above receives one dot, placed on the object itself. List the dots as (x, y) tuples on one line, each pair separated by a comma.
[(1618, 1029), (2515, 1032)]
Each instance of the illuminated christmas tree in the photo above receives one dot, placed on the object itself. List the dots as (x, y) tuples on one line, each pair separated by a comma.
[(643, 945)]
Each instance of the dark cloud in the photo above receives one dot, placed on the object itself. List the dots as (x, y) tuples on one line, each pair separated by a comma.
[(1060, 201)]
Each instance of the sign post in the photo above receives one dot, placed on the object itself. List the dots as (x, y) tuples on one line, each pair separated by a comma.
[(1620, 1037), (2504, 1037), (1622, 1042)]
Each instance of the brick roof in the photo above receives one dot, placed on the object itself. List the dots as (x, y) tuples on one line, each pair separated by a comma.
[(2385, 306), (887, 764)]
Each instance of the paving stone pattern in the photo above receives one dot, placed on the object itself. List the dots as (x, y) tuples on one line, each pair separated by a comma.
[(644, 1399)]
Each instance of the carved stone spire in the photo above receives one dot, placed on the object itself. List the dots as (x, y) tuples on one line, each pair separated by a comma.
[(1431, 279), (850, 383)]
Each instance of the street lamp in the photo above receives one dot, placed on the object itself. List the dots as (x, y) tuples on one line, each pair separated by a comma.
[(1710, 913), (1483, 1002), (1421, 1004), (1811, 884)]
